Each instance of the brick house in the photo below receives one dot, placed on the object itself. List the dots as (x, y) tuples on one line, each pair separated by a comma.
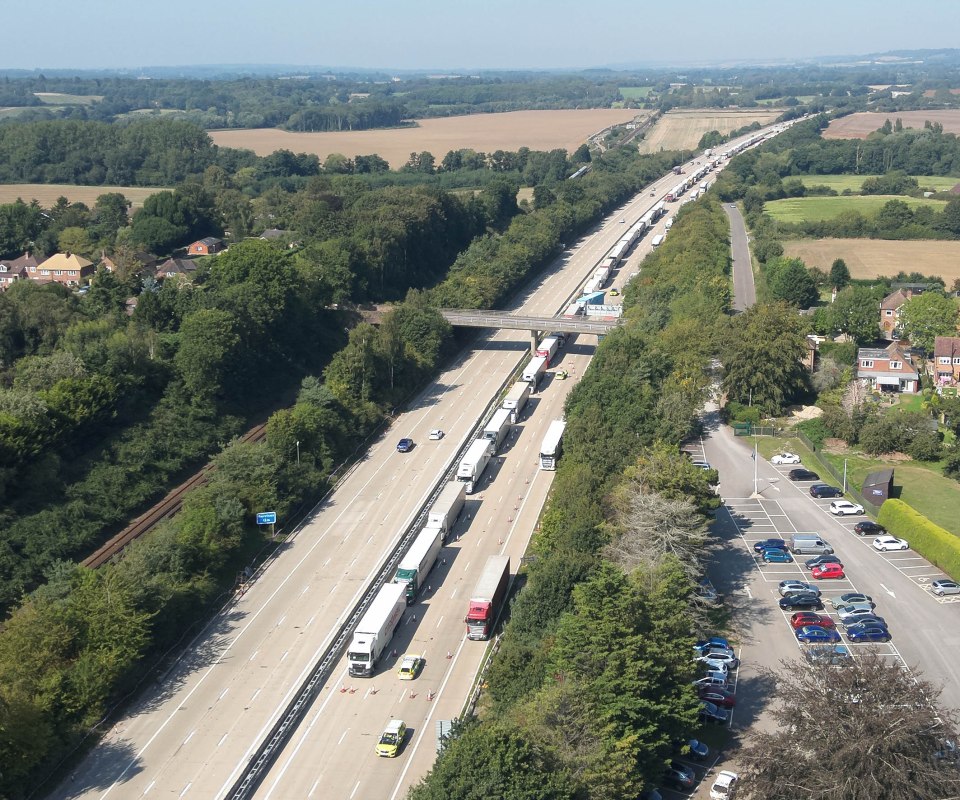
[(889, 369), (179, 268), (65, 268), (207, 246), (945, 365), (890, 311), (16, 269)]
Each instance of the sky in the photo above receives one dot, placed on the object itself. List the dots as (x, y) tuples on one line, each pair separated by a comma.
[(460, 35)]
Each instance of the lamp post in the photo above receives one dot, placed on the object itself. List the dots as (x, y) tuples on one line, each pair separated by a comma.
[(298, 452)]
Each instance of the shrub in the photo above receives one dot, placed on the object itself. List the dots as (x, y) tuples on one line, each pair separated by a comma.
[(815, 430), (738, 412), (940, 547), (881, 435), (926, 446)]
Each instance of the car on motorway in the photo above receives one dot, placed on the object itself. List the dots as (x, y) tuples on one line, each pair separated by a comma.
[(869, 528), (868, 633), (837, 655), (820, 490), (944, 587), (717, 695), (863, 619), (785, 458), (769, 544), (725, 785), (853, 598), (802, 474), (561, 374), (817, 561), (807, 600), (392, 738), (709, 644), (884, 543), (827, 572), (795, 587), (405, 445), (814, 634), (802, 618), (435, 435), (679, 776), (776, 556), (712, 713), (614, 292), (840, 508), (410, 667)]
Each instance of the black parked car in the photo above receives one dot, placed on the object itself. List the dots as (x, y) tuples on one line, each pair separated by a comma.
[(824, 490), (868, 528), (816, 561), (801, 474), (803, 600), (770, 544)]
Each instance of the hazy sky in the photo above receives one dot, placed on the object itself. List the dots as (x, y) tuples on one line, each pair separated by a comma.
[(459, 34)]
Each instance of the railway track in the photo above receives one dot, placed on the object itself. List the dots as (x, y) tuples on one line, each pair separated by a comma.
[(165, 509)]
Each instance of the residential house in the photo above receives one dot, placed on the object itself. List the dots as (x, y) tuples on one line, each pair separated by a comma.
[(279, 235), (207, 246), (890, 312), (16, 269), (181, 269), (889, 369), (945, 365), (66, 268)]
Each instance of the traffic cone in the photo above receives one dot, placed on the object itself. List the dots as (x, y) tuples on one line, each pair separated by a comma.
[(449, 654)]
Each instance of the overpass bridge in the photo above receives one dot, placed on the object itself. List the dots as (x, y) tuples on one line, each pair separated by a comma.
[(536, 325)]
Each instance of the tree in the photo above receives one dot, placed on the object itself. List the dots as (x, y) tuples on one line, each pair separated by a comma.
[(879, 745), (208, 352), (856, 312), (927, 316), (839, 273), (789, 281)]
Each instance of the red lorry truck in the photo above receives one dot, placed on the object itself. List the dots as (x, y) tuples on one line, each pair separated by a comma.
[(488, 598)]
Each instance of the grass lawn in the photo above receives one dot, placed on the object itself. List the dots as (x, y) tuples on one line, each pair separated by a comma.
[(809, 209), (635, 92), (853, 182), (908, 402)]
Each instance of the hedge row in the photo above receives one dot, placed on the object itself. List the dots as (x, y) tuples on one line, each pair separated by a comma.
[(934, 543)]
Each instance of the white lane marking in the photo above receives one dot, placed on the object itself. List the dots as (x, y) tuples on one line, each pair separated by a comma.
[(749, 593), (149, 787), (192, 733), (354, 790), (888, 591), (222, 739), (186, 789), (314, 787), (223, 694), (342, 737)]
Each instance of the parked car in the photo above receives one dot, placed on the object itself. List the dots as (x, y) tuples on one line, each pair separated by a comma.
[(714, 679), (801, 474), (776, 556), (840, 508), (435, 435), (680, 776), (405, 445), (793, 587), (868, 633), (717, 695), (828, 571), (817, 561), (709, 644), (847, 609), (716, 663), (769, 544), (410, 667), (869, 528), (856, 598), (706, 591), (825, 490), (802, 618), (837, 655), (801, 601), (785, 458), (726, 657), (392, 738), (884, 543), (725, 785), (698, 749), (711, 713), (863, 619), (814, 634), (942, 587)]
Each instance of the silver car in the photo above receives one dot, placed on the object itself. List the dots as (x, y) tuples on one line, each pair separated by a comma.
[(940, 588)]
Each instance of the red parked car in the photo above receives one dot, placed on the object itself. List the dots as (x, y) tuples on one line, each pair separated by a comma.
[(828, 571), (718, 696), (802, 618)]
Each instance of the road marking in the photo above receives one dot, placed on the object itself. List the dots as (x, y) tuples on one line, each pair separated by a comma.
[(439, 621), (342, 737), (149, 787), (192, 733), (749, 593), (186, 789), (223, 738), (354, 790), (314, 787), (888, 591), (223, 694)]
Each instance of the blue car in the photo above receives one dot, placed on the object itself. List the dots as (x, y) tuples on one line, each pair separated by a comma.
[(770, 544), (814, 634), (713, 643), (405, 445), (776, 556), (868, 633)]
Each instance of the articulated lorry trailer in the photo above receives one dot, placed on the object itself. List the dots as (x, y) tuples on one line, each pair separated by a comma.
[(534, 371), (497, 428), (474, 462), (488, 598), (372, 636), (516, 399), (444, 512), (419, 560), (548, 347)]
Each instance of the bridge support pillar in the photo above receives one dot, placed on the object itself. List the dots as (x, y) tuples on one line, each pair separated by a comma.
[(533, 343)]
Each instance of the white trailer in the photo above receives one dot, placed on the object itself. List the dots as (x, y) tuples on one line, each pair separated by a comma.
[(444, 512), (373, 634), (601, 274), (497, 428), (592, 285), (548, 348), (516, 399), (473, 463), (659, 210), (604, 311), (534, 370), (573, 311), (419, 560), (668, 224), (657, 240), (550, 449)]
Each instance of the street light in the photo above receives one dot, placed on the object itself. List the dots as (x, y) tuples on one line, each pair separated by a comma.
[(298, 452)]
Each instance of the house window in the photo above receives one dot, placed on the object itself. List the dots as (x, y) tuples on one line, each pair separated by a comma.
[(943, 360), (896, 364), (956, 361), (888, 313), (867, 363)]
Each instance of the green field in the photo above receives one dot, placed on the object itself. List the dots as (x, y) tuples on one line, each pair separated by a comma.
[(815, 209), (59, 99), (853, 182), (635, 92)]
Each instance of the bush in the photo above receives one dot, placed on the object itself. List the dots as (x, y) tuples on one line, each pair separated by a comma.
[(738, 412), (951, 467), (881, 435), (841, 352), (815, 430), (940, 547), (926, 446)]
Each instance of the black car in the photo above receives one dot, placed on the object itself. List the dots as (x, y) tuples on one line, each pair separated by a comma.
[(825, 490), (679, 776), (868, 528), (801, 474), (804, 600), (712, 713), (816, 561), (770, 544)]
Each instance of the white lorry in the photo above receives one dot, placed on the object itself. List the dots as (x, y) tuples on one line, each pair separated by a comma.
[(534, 370), (548, 348), (444, 512), (516, 399), (474, 462), (419, 560), (496, 430), (657, 240), (373, 634)]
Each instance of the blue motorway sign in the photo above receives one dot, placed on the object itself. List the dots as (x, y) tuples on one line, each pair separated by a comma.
[(266, 518)]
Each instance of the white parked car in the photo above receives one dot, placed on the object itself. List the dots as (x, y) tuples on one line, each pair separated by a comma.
[(785, 458), (435, 435), (841, 507), (725, 786), (884, 543)]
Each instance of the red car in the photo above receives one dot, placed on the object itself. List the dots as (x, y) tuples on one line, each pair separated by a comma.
[(718, 696), (828, 571), (802, 618)]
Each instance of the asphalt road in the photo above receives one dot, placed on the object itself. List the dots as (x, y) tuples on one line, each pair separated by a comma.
[(744, 290)]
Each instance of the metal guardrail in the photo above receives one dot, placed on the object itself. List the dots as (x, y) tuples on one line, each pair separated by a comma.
[(497, 319)]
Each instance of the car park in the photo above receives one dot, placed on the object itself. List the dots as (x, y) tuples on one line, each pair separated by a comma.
[(801, 474), (679, 776), (821, 490), (785, 458), (392, 738), (869, 528), (725, 785), (828, 571), (837, 655), (944, 587), (410, 667), (711, 713), (776, 556), (769, 544), (840, 508), (801, 601), (802, 618), (717, 695), (853, 598), (795, 587), (709, 644), (863, 619), (435, 435), (814, 634), (884, 543), (405, 445), (868, 633), (817, 561)]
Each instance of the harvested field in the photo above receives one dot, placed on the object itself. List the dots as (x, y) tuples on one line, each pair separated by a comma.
[(880, 258), (814, 209), (46, 194), (61, 99), (840, 183), (863, 123), (677, 130), (538, 130)]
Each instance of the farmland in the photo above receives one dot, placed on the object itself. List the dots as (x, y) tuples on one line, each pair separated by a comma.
[(862, 124), (635, 92), (840, 183), (813, 209), (60, 99), (880, 258), (538, 130), (683, 129), (46, 194)]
